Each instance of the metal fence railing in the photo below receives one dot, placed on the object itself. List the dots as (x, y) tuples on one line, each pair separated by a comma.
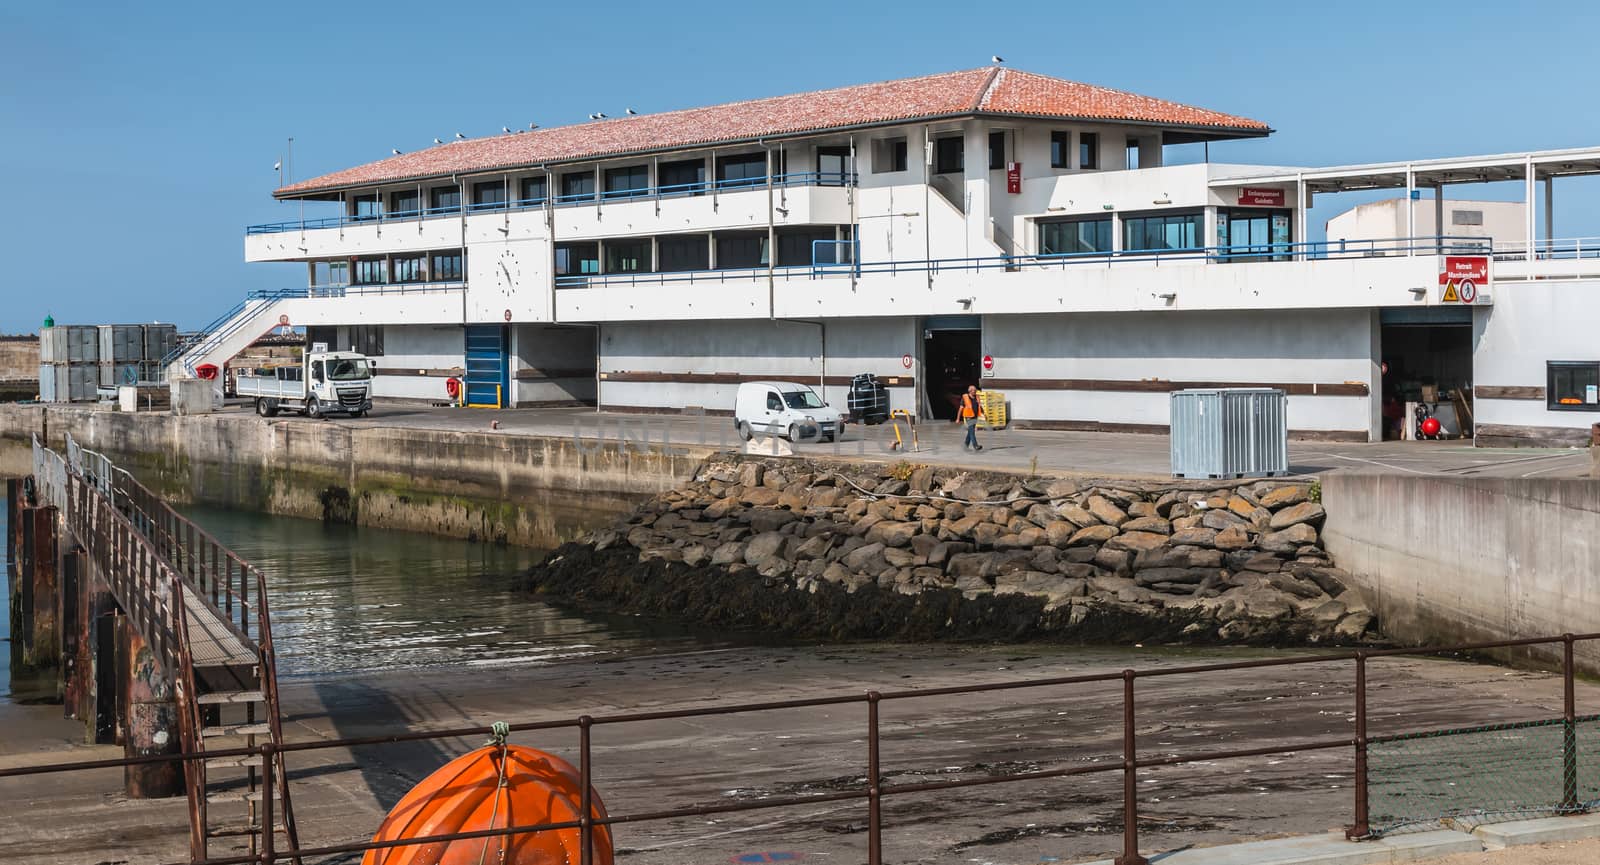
[(1554, 768)]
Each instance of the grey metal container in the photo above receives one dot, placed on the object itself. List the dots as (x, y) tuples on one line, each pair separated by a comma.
[(67, 343), (121, 343), (119, 374), (69, 382), (1229, 433), (159, 340)]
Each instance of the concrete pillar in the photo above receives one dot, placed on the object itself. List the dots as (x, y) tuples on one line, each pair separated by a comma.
[(152, 726), (22, 597), (74, 598), (975, 184), (1550, 208)]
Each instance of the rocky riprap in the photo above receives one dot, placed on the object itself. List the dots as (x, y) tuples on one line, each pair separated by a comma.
[(797, 548)]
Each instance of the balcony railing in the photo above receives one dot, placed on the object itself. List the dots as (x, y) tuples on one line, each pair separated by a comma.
[(833, 258), (681, 190), (1559, 249), (393, 288)]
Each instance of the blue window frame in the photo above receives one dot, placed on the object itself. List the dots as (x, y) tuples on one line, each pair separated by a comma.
[(1070, 236), (444, 198), (405, 203), (629, 181), (533, 190), (489, 195), (577, 186), (748, 169), (1163, 232)]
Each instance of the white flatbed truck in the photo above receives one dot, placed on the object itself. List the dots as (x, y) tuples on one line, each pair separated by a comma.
[(323, 383)]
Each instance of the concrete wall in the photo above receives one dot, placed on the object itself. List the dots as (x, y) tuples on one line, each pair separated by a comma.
[(416, 361), (1503, 221), (1446, 560), (523, 490), (1260, 347), (553, 365), (1531, 323)]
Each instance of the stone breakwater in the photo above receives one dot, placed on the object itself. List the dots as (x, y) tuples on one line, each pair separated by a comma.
[(809, 549)]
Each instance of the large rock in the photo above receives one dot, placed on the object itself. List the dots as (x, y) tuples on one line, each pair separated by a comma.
[(1077, 516), (1135, 541), (720, 508), (1353, 626), (1119, 562), (1039, 584), (1092, 535), (1180, 576), (892, 534), (814, 547), (1289, 540), (1282, 497), (921, 479), (970, 491), (1105, 511), (760, 497), (1299, 588), (769, 519), (971, 564), (728, 553), (751, 475), (1197, 537), (1221, 520), (986, 534), (1232, 538), (963, 528), (864, 557), (1305, 512), (1147, 524), (764, 546), (1058, 533), (1060, 489)]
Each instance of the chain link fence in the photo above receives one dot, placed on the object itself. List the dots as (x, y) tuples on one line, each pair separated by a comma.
[(1491, 773)]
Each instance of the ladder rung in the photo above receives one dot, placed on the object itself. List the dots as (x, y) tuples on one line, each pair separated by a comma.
[(217, 697), (241, 829), (260, 728), (236, 796), (245, 761)]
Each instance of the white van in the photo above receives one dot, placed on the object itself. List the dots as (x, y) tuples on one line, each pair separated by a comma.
[(784, 408)]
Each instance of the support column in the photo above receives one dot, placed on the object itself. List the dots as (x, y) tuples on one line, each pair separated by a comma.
[(1530, 193), (14, 506), (1550, 208), (102, 711), (152, 726), (74, 605), (44, 648), (1438, 216), (1411, 212)]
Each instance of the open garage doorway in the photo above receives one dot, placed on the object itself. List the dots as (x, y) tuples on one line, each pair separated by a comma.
[(1427, 357), (952, 350)]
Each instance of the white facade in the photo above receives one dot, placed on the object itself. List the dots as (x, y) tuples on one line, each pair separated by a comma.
[(1096, 287)]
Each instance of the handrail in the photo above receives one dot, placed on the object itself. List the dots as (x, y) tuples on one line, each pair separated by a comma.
[(1549, 249), (597, 196), (228, 324), (1305, 251)]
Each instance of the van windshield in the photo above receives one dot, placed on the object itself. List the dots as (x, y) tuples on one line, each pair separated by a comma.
[(802, 399), (349, 369)]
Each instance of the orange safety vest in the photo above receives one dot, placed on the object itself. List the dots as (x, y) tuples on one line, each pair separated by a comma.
[(969, 406)]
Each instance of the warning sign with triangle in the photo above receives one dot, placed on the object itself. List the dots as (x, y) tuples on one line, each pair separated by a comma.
[(1450, 295)]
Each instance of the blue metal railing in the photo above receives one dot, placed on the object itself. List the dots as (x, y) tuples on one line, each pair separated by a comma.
[(841, 258), (227, 324), (804, 178), (392, 288)]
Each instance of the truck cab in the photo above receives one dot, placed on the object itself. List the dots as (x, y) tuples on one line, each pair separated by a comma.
[(323, 383)]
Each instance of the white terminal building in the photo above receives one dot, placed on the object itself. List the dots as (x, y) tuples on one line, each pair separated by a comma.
[(987, 226)]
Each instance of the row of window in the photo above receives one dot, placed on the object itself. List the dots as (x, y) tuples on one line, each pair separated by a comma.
[(1261, 231), (440, 266), (687, 176), (690, 252), (949, 153)]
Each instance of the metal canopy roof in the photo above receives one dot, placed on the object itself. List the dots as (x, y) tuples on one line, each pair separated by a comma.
[(1430, 172)]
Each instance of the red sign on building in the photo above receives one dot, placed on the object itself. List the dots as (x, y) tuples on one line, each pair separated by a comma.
[(1251, 196), (1014, 177), (1464, 279)]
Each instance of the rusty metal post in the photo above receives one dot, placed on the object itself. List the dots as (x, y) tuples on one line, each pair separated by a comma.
[(44, 647), (1569, 730), (100, 661), (269, 834), (585, 803), (74, 593), (874, 791), (152, 725), (1130, 779), (22, 598), (1362, 827)]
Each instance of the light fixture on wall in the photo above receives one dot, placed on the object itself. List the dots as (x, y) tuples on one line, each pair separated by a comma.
[(1054, 208), (966, 302), (1164, 199), (1169, 296), (1108, 207)]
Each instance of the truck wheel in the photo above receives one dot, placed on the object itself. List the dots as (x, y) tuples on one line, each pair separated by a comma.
[(265, 407), (745, 432), (313, 408), (359, 413)]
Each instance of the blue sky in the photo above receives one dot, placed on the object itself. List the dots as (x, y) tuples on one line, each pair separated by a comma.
[(138, 139)]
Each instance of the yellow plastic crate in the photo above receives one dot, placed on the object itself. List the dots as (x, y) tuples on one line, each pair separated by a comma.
[(993, 405)]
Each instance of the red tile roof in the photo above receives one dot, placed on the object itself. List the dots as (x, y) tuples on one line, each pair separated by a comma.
[(974, 91)]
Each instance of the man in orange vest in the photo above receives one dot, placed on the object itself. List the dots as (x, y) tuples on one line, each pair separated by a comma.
[(968, 412)]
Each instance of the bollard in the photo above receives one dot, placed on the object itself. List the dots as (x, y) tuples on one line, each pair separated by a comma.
[(152, 726)]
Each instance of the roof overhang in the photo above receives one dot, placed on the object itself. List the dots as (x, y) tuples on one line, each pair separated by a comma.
[(1540, 164)]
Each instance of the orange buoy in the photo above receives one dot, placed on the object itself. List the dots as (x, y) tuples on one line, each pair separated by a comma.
[(494, 787), (207, 371)]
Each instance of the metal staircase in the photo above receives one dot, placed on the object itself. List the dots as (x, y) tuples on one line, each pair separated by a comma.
[(203, 612), (229, 333)]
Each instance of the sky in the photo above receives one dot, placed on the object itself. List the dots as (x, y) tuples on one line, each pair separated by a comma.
[(137, 140)]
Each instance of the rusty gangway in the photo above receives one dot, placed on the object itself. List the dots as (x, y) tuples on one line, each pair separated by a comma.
[(202, 612)]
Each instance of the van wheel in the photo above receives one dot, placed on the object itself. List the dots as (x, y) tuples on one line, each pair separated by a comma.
[(744, 430), (313, 408), (266, 408), (794, 433)]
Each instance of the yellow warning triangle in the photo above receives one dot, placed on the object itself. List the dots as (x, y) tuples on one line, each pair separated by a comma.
[(1450, 295)]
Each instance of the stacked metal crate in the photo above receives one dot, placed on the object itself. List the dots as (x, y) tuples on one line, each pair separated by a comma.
[(77, 362)]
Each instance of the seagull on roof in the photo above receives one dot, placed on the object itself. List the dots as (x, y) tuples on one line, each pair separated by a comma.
[(597, 116), (506, 129), (437, 141), (395, 151), (997, 59), (533, 126), (631, 111), (277, 165), (460, 137)]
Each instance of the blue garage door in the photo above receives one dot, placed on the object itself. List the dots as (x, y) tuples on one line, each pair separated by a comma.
[(488, 365)]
